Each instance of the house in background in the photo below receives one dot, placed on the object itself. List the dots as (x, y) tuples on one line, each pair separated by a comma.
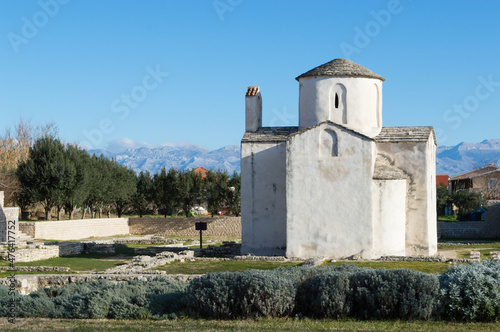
[(442, 180), (339, 184), (485, 180), (202, 171)]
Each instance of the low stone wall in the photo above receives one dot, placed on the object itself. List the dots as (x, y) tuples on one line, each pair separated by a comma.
[(487, 229), (36, 253), (28, 228), (36, 268), (99, 248), (75, 229), (469, 229), (26, 284), (68, 248), (217, 226), (493, 212)]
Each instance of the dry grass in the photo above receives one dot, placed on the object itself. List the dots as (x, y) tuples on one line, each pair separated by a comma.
[(282, 324)]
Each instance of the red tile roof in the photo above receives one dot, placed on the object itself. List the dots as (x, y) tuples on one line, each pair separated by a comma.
[(442, 180), (201, 171)]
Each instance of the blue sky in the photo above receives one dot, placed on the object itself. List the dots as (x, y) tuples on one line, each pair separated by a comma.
[(122, 73)]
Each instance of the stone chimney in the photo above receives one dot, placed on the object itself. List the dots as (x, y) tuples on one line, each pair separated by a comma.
[(253, 109)]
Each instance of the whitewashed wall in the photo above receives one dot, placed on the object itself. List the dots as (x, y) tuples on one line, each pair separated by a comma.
[(329, 203), (389, 217), (417, 159), (364, 114), (263, 198)]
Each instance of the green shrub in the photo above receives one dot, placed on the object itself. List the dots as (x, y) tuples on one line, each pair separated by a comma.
[(29, 306), (121, 309), (326, 295), (4, 291), (471, 292), (169, 304), (394, 294), (78, 288), (105, 299), (246, 294), (367, 293)]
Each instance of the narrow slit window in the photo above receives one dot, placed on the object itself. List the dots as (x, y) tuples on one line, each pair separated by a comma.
[(337, 104), (328, 144)]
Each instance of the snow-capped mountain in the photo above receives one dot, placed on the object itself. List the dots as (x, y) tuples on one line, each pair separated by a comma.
[(463, 157), (451, 160), (180, 156)]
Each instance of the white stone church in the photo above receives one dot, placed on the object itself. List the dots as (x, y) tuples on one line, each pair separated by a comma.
[(339, 184)]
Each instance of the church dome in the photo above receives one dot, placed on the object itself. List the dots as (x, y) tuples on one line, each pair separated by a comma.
[(341, 67)]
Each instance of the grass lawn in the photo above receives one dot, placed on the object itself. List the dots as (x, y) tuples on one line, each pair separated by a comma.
[(281, 324), (447, 218), (75, 263), (201, 267), (494, 245)]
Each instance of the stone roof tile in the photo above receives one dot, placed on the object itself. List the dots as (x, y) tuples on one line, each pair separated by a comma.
[(341, 67), (405, 134), (269, 134)]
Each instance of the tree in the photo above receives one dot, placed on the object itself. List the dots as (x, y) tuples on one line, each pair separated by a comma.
[(442, 199), (144, 193), (42, 175), (123, 186), (189, 188), (165, 188), (234, 197), (77, 190), (97, 183), (216, 190), (14, 148), (467, 201)]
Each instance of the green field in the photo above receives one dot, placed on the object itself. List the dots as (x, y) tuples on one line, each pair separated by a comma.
[(201, 267), (281, 324)]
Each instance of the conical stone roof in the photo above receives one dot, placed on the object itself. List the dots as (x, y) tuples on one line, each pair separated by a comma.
[(341, 67)]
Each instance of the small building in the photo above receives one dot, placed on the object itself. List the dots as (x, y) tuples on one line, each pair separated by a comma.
[(202, 171), (338, 184), (485, 180), (442, 180)]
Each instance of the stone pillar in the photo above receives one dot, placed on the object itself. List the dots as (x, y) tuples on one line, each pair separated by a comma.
[(6, 215), (253, 109)]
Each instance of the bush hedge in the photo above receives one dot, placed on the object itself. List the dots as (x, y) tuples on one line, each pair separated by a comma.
[(246, 294), (464, 292), (471, 292), (102, 299)]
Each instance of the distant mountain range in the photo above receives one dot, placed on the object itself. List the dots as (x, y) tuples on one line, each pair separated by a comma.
[(451, 160), (185, 156), (464, 157)]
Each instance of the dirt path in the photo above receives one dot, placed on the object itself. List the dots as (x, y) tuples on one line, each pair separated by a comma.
[(450, 254)]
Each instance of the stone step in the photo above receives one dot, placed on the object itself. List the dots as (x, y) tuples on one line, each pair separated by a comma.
[(23, 237)]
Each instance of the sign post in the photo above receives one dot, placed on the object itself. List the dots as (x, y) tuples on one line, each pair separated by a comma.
[(201, 226)]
